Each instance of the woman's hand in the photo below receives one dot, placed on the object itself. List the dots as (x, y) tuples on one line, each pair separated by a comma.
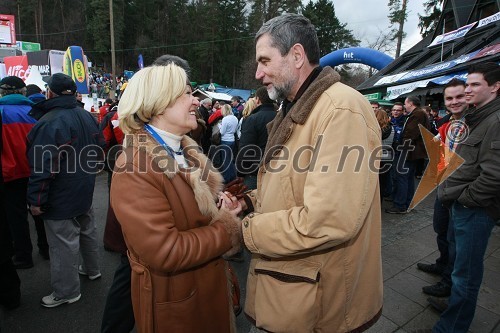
[(230, 203)]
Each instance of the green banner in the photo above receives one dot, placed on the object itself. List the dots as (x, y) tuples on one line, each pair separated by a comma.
[(28, 46), (373, 96)]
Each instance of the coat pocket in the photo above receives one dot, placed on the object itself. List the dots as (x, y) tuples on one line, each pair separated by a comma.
[(469, 149), (177, 316), (286, 297)]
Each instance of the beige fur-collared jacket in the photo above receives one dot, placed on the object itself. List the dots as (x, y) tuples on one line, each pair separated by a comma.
[(315, 234), (176, 237)]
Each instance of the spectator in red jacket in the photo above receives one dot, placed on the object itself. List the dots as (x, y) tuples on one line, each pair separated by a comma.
[(103, 110), (14, 106)]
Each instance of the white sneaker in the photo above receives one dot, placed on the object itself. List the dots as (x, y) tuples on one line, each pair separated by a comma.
[(81, 271), (51, 301)]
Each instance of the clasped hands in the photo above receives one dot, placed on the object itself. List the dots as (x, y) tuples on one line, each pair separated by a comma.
[(231, 198)]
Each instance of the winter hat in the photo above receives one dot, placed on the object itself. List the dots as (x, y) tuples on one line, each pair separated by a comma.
[(62, 84), (32, 89), (12, 83)]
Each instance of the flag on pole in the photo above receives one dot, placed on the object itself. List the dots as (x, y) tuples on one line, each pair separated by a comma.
[(75, 65), (140, 61)]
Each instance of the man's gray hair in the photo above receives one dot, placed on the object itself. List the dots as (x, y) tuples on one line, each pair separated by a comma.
[(289, 29), (206, 100), (5, 92)]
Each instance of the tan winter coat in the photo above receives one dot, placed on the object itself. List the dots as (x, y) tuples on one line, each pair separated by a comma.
[(315, 234), (175, 237)]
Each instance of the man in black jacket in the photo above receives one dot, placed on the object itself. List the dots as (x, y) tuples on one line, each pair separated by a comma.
[(473, 192), (64, 152), (254, 137), (407, 154)]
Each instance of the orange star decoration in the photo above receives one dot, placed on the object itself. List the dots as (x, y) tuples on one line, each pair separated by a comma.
[(434, 175)]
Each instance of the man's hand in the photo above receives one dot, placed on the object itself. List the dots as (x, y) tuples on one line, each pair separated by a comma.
[(35, 210)]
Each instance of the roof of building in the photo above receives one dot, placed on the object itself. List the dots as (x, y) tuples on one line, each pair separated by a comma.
[(471, 37)]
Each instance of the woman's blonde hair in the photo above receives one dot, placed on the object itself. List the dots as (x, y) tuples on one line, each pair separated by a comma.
[(250, 105), (226, 110), (150, 91)]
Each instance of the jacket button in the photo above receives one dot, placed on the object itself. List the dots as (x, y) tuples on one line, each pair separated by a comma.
[(245, 223)]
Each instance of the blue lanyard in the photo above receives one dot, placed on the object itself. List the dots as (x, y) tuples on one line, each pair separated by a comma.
[(158, 139)]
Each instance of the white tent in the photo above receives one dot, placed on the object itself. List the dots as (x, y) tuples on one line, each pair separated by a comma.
[(202, 94), (35, 78)]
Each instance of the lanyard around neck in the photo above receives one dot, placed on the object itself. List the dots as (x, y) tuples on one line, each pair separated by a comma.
[(158, 139)]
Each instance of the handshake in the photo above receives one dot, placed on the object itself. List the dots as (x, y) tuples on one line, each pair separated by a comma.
[(232, 197)]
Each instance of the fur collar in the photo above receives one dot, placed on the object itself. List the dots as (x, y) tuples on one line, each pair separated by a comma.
[(202, 176), (281, 128)]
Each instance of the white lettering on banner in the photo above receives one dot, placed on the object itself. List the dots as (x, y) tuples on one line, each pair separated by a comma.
[(489, 19), (43, 69), (349, 55), (390, 78), (396, 91), (452, 35), (425, 71), (18, 71)]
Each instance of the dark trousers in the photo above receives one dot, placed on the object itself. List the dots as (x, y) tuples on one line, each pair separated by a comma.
[(385, 179), (118, 316), (472, 229), (227, 167), (404, 175), (10, 285), (440, 221), (17, 218), (10, 292)]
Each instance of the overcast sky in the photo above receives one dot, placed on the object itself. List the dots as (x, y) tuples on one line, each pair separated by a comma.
[(366, 18)]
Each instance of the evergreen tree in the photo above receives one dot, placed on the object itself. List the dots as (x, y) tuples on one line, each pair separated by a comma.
[(257, 15), (398, 15), (332, 34), (428, 22)]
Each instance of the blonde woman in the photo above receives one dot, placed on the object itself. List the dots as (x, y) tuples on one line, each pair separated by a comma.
[(164, 194), (250, 105), (228, 127)]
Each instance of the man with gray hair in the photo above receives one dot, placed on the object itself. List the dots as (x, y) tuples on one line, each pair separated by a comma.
[(315, 229), (205, 111)]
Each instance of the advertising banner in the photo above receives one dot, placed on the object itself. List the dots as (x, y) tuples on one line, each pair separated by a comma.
[(433, 69), (27, 46), (40, 60), (489, 20), (74, 65), (396, 91), (17, 66), (452, 35), (487, 51), (7, 29), (442, 80), (56, 60)]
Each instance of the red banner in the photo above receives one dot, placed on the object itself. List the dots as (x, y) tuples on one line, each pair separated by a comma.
[(17, 66), (487, 51), (7, 29)]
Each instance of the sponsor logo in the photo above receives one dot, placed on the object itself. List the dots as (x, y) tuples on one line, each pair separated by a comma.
[(79, 71)]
